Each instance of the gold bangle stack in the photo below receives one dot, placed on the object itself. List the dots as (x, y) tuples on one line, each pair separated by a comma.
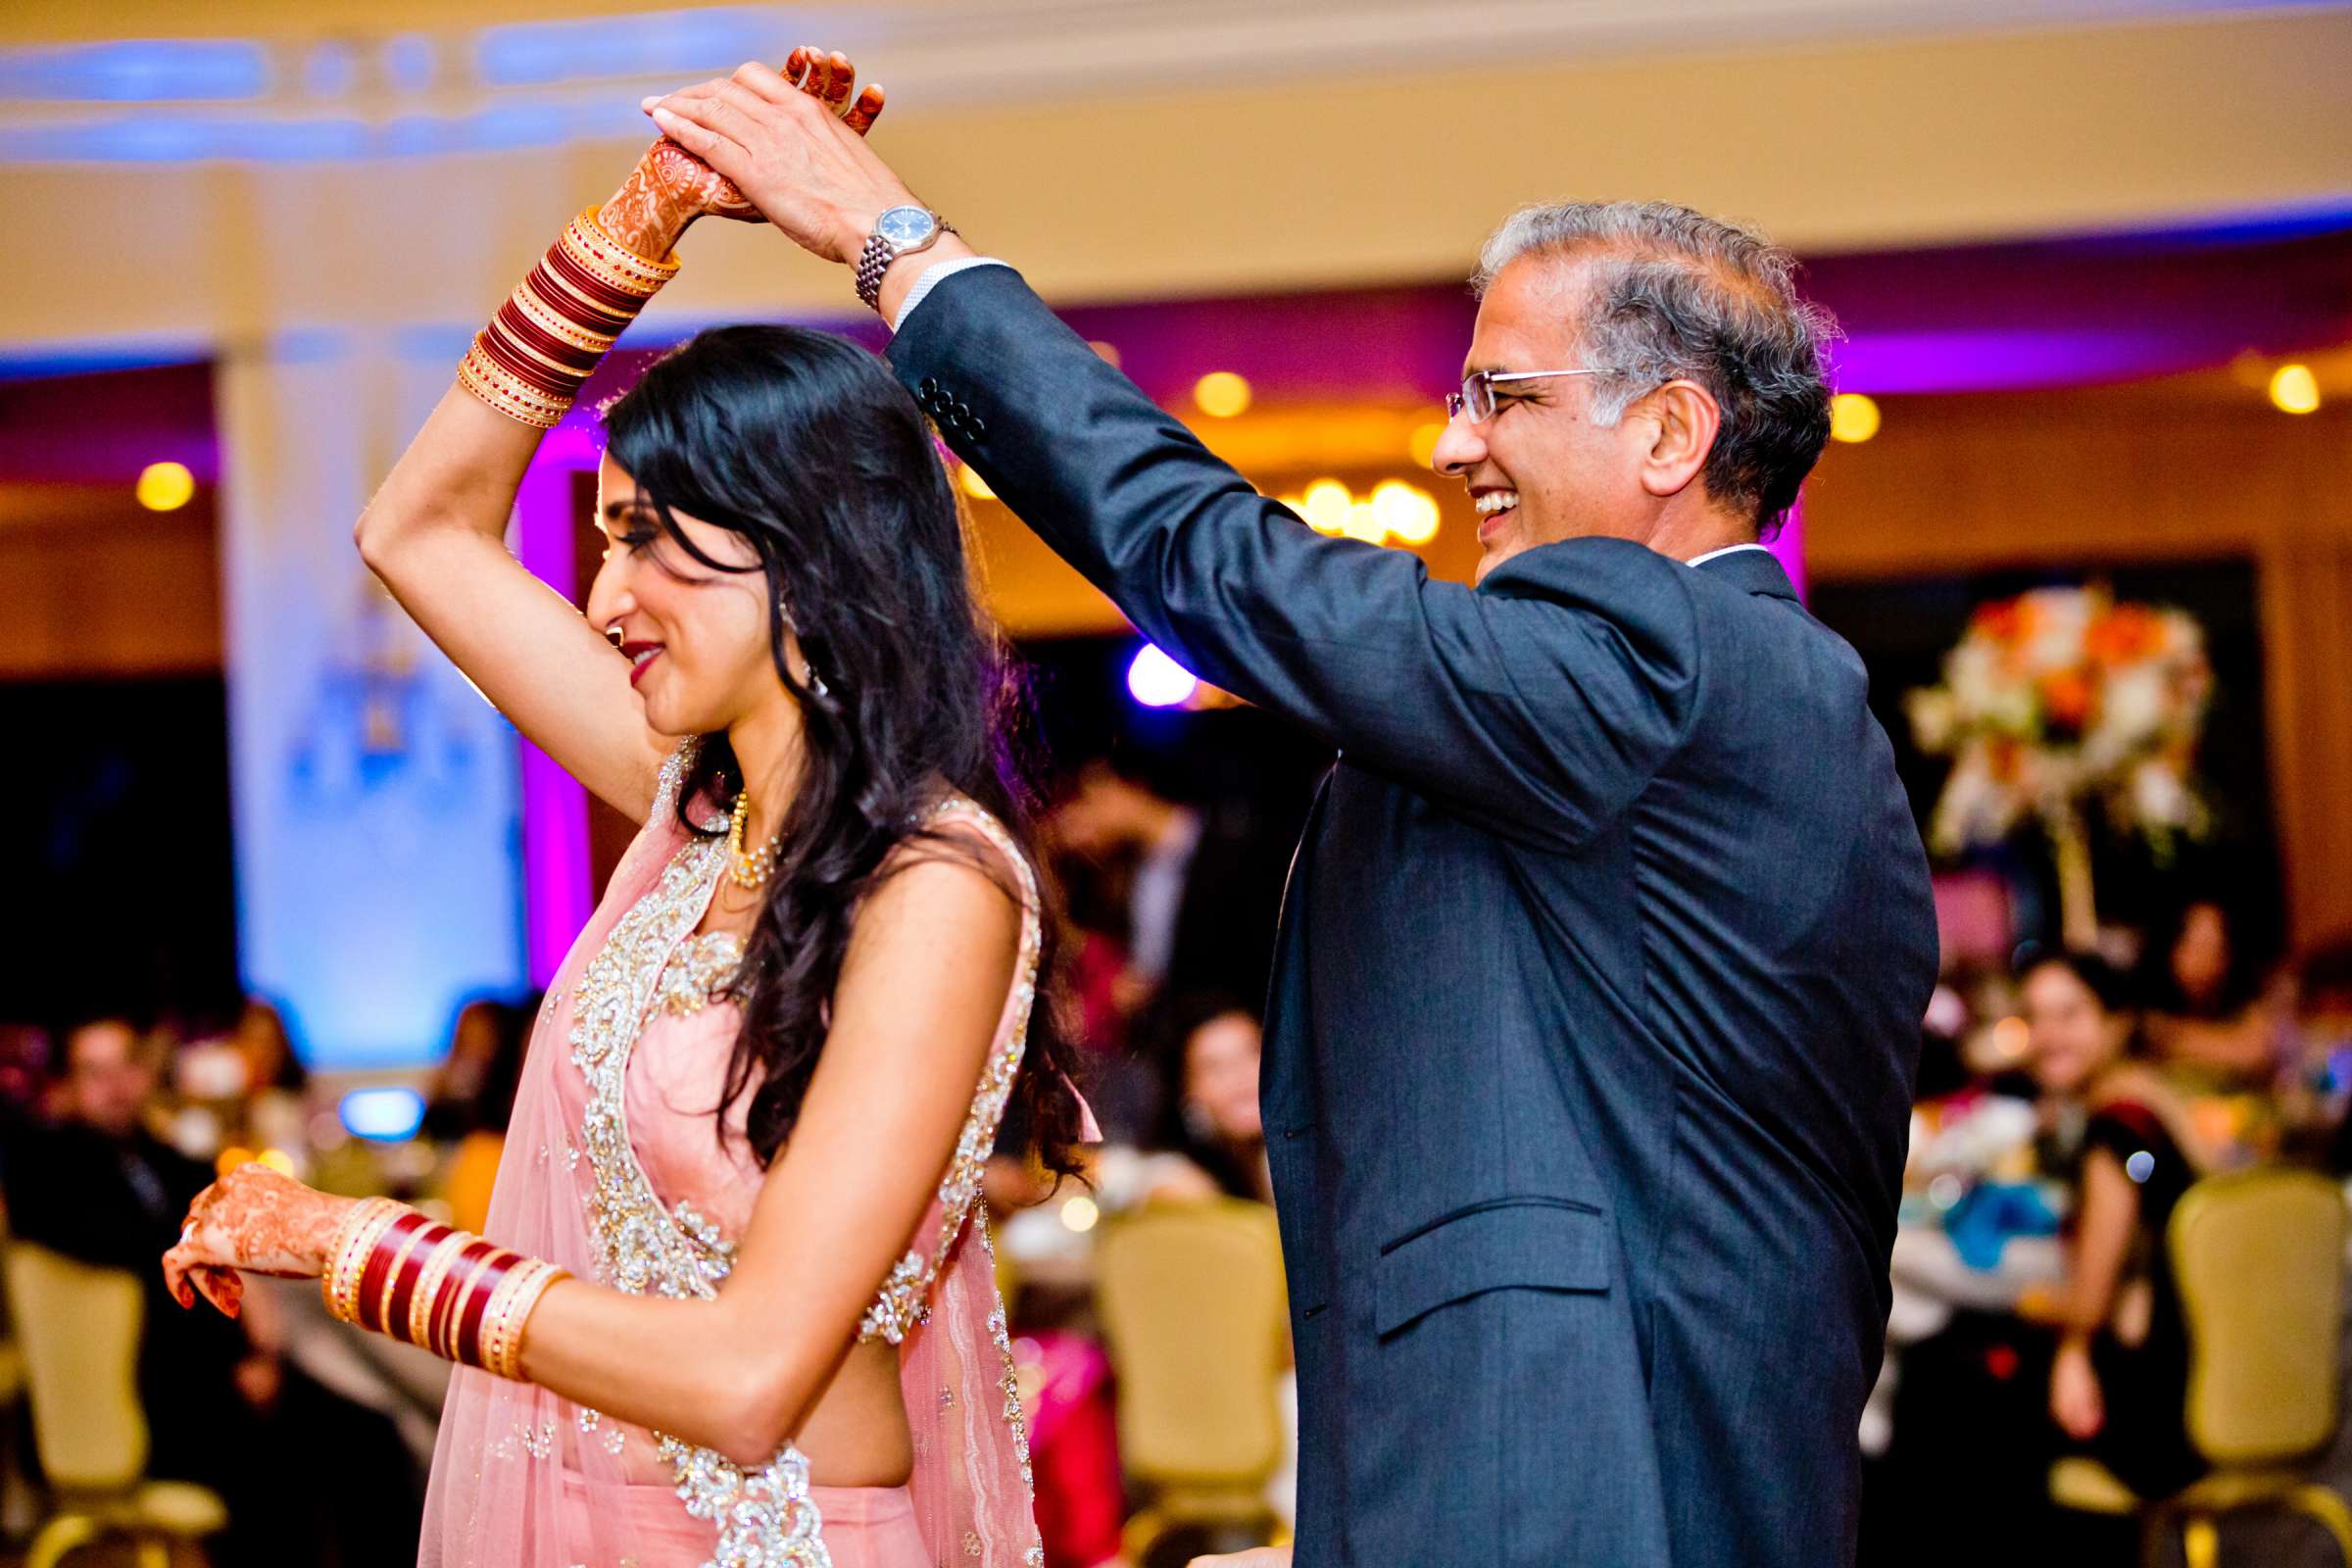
[(532, 359)]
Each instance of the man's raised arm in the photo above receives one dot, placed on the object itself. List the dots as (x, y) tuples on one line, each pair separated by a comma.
[(1542, 703)]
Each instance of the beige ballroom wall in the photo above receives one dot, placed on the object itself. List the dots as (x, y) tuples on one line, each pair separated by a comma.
[(1259, 188)]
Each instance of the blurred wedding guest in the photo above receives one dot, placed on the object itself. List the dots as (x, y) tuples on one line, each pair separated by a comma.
[(2207, 1012), (1203, 891), (2097, 1365), (472, 1096), (474, 1088), (2323, 1078), (1209, 1131), (306, 1477), (2119, 1379)]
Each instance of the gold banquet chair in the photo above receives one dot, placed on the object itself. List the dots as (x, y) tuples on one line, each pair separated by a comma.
[(2259, 1257), (78, 1328), (1193, 1308)]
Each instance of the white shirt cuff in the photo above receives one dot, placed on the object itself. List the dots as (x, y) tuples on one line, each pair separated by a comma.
[(931, 280)]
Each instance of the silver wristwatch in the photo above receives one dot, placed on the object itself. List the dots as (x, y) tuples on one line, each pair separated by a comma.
[(900, 231)]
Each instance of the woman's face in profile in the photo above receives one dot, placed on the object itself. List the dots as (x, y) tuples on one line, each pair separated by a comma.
[(697, 640), (2073, 1035), (1220, 1074)]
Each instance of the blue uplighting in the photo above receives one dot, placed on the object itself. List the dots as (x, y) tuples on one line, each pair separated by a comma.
[(1155, 680), (137, 71), (410, 62), (658, 43), (386, 1115)]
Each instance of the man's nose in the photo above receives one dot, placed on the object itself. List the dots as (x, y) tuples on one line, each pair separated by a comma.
[(1459, 447)]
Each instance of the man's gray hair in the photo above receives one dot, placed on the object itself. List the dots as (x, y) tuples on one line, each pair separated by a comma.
[(1670, 294)]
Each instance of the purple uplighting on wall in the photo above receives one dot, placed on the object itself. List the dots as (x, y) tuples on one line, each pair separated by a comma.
[(556, 899)]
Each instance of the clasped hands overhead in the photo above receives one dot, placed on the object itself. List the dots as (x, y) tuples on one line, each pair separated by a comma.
[(790, 144)]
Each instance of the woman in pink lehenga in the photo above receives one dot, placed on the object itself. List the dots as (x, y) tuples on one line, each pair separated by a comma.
[(760, 1091)]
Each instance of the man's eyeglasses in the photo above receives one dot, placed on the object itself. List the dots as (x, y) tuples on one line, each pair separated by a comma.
[(1477, 396)]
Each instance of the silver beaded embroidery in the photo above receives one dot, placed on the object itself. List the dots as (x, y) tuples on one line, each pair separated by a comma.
[(905, 1301), (764, 1515), (698, 972)]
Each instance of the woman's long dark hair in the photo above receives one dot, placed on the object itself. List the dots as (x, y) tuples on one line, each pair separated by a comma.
[(805, 445)]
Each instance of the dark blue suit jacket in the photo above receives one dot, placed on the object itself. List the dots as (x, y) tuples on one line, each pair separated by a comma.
[(1597, 998)]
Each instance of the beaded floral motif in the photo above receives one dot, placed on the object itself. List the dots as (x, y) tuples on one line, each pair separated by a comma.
[(764, 1515), (905, 1301), (701, 969)]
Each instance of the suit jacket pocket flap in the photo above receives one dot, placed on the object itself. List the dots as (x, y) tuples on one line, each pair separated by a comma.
[(1535, 1244)]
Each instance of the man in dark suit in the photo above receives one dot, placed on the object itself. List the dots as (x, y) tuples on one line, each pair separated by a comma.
[(1602, 962)]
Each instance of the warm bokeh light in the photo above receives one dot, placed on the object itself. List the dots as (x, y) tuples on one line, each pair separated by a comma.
[(2012, 1038), (1080, 1213), (165, 486), (1107, 352), (1852, 417), (278, 1160), (1424, 444), (1221, 394), (969, 478), (1325, 505), (1405, 512), (2294, 389), (1157, 682), (232, 1157)]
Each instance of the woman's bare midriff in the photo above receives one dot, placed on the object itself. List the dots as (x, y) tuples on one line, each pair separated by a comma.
[(856, 1436)]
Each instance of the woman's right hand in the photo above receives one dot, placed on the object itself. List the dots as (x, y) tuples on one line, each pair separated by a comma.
[(253, 1220), (672, 187)]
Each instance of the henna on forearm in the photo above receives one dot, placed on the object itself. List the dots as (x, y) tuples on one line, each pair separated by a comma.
[(667, 190)]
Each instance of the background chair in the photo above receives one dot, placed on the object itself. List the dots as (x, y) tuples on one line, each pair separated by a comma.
[(1193, 1308), (2260, 1262), (78, 1328)]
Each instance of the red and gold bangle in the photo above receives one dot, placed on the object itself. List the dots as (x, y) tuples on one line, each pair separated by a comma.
[(510, 1309), (459, 1288), (382, 1292), (546, 340), (417, 1322), (355, 1243)]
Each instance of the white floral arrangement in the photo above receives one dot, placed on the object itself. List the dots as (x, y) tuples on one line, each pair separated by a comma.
[(2062, 696)]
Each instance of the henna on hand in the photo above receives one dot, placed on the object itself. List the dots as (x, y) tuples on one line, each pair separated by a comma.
[(253, 1218)]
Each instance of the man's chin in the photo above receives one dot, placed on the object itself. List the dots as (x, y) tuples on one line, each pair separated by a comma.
[(1494, 554)]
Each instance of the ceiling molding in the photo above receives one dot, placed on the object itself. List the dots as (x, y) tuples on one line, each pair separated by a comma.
[(333, 82)]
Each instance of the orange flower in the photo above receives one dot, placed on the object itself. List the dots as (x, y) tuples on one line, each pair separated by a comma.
[(2066, 697), (2004, 622), (2123, 635)]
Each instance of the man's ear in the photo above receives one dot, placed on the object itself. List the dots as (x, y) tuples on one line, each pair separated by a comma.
[(1686, 418)]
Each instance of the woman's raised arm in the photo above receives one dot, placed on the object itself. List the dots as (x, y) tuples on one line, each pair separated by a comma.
[(435, 531)]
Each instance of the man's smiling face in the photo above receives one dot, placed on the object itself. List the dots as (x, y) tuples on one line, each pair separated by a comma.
[(1540, 470)]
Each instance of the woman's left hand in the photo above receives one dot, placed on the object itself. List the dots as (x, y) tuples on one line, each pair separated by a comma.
[(252, 1219), (2075, 1403)]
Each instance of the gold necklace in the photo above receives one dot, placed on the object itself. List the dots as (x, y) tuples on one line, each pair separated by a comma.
[(750, 869)]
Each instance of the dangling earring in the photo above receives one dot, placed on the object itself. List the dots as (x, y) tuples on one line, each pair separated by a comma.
[(809, 675)]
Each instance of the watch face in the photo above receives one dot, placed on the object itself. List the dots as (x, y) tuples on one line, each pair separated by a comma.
[(904, 225)]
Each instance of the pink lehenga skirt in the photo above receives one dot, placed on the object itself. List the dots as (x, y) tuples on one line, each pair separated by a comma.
[(865, 1526)]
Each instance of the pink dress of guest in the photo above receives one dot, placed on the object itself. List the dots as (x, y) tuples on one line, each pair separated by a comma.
[(612, 1170)]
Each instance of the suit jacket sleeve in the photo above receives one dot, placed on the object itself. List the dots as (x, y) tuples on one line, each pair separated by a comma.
[(1540, 702)]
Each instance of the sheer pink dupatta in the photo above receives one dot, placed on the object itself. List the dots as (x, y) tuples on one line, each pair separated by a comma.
[(971, 1483), (523, 1478)]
